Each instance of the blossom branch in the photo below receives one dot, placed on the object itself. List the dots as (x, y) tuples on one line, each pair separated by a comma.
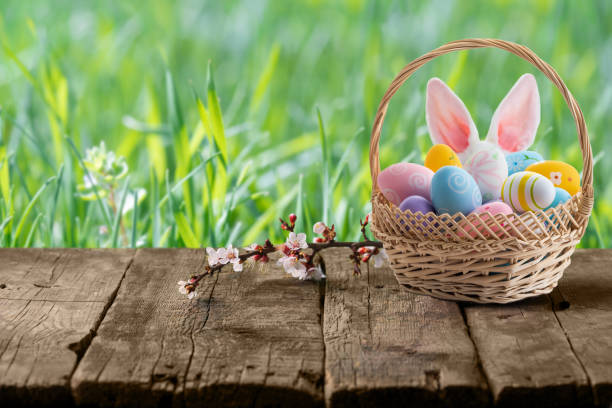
[(295, 260)]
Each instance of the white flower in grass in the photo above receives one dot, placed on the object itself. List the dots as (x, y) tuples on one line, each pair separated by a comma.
[(296, 241), (186, 288), (380, 258), (316, 273), (319, 228), (294, 267)]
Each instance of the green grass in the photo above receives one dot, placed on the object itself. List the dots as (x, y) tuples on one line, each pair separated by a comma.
[(231, 114)]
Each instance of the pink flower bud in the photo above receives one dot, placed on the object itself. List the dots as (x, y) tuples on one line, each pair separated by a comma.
[(292, 218)]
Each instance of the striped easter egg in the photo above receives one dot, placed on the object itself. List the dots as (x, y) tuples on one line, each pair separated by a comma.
[(527, 191)]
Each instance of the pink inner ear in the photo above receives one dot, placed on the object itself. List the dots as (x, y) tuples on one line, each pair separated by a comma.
[(510, 137), (517, 118), (448, 120), (454, 132)]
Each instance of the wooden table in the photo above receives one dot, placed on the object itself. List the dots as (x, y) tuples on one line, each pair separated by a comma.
[(109, 328)]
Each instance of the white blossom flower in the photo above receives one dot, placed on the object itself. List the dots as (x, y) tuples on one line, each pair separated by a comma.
[(213, 256), (232, 255), (319, 228), (380, 258), (183, 289), (556, 177), (316, 273), (294, 267), (296, 241)]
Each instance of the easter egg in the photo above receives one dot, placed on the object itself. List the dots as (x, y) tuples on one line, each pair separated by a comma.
[(487, 165), (484, 223), (559, 173), (561, 196), (519, 161), (416, 204), (441, 155), (454, 190), (401, 180), (494, 207), (527, 191)]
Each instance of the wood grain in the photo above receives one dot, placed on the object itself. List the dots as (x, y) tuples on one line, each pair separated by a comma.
[(526, 357), (51, 302), (250, 338), (388, 347), (583, 305)]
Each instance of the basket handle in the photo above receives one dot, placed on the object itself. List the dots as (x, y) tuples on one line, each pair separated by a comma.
[(586, 203)]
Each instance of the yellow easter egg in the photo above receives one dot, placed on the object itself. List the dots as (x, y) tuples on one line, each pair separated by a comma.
[(441, 155), (561, 174)]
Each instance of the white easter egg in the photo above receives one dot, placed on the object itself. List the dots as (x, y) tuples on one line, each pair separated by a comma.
[(487, 164), (527, 191)]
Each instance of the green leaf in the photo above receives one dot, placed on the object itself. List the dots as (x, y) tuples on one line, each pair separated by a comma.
[(58, 186), (185, 231), (28, 209), (264, 79), (134, 218), (325, 191), (174, 110), (216, 118), (28, 241), (119, 215)]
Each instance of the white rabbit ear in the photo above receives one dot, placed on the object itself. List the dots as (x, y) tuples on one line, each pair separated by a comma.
[(448, 119), (515, 122)]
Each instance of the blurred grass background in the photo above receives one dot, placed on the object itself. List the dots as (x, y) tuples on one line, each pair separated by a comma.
[(230, 114)]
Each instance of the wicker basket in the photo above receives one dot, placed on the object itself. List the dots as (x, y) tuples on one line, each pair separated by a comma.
[(481, 258)]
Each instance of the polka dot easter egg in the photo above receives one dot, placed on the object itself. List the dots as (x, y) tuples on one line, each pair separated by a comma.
[(527, 191), (487, 165), (454, 190), (559, 173), (519, 161), (401, 180), (441, 155)]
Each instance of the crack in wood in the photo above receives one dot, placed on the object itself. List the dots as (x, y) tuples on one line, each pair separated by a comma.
[(564, 305), (80, 347), (476, 353)]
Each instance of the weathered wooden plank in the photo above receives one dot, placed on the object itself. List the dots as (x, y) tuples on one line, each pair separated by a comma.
[(51, 302), (250, 338), (583, 305), (525, 355), (388, 347)]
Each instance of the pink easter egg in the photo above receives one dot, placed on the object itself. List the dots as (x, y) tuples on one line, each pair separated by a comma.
[(401, 180), (486, 211)]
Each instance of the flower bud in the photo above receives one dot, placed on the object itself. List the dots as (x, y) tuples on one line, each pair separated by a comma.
[(292, 218)]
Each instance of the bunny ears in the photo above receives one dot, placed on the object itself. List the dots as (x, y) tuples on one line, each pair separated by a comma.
[(513, 127)]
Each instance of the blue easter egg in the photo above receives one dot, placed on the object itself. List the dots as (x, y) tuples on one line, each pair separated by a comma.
[(454, 190), (561, 196), (519, 161)]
